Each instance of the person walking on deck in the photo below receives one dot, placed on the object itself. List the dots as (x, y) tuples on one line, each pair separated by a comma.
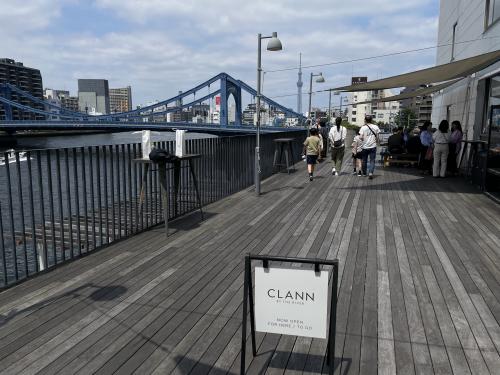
[(312, 149), (337, 141), (369, 135), (441, 138), (323, 131), (357, 152)]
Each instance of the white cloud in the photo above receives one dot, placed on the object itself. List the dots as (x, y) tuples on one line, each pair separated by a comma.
[(28, 15), (165, 46)]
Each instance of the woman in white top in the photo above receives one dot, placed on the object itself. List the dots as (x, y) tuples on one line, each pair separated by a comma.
[(337, 137), (440, 139)]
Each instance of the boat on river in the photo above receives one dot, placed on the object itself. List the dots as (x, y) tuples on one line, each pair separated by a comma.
[(10, 157)]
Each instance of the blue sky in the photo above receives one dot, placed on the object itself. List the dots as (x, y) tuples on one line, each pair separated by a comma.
[(162, 46)]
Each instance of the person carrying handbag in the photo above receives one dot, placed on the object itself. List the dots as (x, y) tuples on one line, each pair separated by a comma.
[(369, 135), (337, 141)]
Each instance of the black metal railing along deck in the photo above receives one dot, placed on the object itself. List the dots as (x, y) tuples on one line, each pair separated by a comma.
[(59, 204)]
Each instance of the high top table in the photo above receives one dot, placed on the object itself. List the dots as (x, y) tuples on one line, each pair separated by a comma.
[(164, 182), (283, 145)]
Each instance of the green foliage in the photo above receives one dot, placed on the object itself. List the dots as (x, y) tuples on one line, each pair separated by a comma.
[(350, 126), (401, 119)]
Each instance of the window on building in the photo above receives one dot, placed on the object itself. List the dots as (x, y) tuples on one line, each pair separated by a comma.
[(353, 112), (453, 40), (492, 13), (353, 119), (491, 135)]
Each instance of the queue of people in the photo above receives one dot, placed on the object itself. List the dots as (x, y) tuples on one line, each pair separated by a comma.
[(438, 149)]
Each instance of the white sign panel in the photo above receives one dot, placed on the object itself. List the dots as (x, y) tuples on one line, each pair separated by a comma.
[(291, 301), (180, 144)]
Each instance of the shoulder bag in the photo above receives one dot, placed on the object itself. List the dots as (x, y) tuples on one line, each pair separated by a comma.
[(376, 137), (339, 143)]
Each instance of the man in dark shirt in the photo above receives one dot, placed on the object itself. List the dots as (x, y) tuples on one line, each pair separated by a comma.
[(323, 130), (414, 145), (395, 143)]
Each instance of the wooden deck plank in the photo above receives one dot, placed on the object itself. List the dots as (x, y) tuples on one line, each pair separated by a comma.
[(412, 299), (230, 242)]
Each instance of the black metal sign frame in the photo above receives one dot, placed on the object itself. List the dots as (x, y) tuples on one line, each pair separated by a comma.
[(248, 296)]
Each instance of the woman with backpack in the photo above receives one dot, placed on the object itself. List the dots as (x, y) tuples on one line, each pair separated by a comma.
[(337, 138)]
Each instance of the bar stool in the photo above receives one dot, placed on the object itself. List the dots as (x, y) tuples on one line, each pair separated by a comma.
[(283, 145)]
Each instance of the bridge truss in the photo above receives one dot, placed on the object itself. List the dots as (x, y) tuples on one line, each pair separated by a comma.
[(226, 86)]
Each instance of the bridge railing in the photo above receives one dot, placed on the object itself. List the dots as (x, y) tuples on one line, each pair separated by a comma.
[(59, 204)]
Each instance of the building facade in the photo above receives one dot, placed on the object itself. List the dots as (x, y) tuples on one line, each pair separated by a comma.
[(248, 114), (120, 100), (26, 79), (93, 96), (70, 103), (475, 100), (381, 111), (420, 105), (61, 98)]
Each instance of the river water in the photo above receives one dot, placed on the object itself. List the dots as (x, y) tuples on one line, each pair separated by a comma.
[(84, 140)]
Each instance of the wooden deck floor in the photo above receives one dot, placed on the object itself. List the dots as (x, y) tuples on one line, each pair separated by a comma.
[(419, 285)]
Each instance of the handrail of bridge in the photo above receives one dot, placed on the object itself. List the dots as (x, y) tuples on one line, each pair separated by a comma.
[(20, 125), (33, 110), (175, 109), (270, 101), (82, 116), (139, 112), (41, 101)]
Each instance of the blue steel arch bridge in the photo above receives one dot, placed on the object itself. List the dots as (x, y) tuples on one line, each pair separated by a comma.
[(149, 117)]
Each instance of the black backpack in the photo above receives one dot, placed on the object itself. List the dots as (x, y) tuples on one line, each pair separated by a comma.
[(158, 155)]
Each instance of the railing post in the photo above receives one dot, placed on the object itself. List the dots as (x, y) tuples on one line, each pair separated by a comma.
[(223, 101)]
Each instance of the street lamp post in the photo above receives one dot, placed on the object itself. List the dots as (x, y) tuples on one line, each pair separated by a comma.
[(320, 79), (274, 44), (330, 106), (330, 103), (341, 101)]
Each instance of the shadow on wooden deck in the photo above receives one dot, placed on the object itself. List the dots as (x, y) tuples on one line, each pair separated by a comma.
[(419, 285)]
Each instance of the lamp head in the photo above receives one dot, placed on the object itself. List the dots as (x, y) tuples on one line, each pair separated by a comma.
[(274, 43), (320, 78)]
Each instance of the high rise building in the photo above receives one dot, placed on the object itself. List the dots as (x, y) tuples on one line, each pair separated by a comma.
[(26, 79), (62, 98), (231, 114), (420, 105), (385, 111), (120, 100), (54, 94), (70, 103), (93, 96)]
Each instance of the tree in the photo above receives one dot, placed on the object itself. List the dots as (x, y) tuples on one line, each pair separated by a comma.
[(406, 118)]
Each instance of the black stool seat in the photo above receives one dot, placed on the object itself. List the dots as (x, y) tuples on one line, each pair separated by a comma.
[(283, 145)]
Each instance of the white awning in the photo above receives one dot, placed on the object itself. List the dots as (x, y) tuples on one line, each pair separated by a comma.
[(407, 95), (440, 73)]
